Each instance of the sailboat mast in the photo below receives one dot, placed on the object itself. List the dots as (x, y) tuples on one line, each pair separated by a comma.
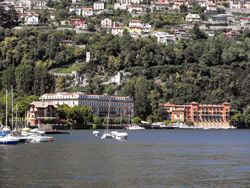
[(12, 108), (108, 116), (6, 109), (16, 116)]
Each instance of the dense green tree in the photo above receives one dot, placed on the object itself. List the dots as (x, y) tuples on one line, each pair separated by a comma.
[(81, 115), (24, 79), (8, 18), (8, 78)]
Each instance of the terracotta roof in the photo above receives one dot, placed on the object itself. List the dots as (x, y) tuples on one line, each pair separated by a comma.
[(211, 4), (42, 104), (135, 20), (90, 8)]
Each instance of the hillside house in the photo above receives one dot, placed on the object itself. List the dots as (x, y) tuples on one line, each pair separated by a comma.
[(117, 31), (135, 8), (135, 23), (160, 6), (193, 18), (107, 23), (40, 111), (77, 22), (120, 6), (87, 11), (98, 5), (76, 9)]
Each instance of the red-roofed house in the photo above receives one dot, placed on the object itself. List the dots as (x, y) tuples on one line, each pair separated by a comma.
[(135, 8), (39, 111), (77, 22)]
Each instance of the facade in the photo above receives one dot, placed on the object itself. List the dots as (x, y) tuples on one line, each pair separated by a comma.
[(211, 8), (193, 18), (166, 38), (106, 23), (232, 34), (19, 9), (87, 11), (117, 31), (119, 106), (98, 5), (160, 7), (40, 110), (77, 22), (120, 6), (135, 23), (75, 9), (31, 19), (200, 115), (135, 8), (202, 3)]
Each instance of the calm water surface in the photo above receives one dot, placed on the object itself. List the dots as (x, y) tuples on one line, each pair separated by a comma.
[(149, 158)]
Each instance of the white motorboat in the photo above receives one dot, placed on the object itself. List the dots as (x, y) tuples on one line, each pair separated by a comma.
[(38, 138), (107, 135), (37, 131), (96, 133), (134, 127), (114, 133), (121, 136), (6, 130), (9, 140)]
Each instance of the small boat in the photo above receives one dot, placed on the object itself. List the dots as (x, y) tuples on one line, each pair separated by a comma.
[(114, 133), (107, 135), (38, 138), (56, 132), (96, 133), (8, 140), (134, 127), (6, 130), (2, 134), (37, 131), (121, 136)]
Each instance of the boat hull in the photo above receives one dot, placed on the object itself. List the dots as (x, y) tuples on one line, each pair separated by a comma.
[(9, 142)]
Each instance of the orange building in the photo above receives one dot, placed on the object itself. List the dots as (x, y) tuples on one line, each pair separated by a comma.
[(39, 110), (200, 115)]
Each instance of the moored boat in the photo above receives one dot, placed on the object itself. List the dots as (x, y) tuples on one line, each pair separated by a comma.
[(121, 136), (96, 133)]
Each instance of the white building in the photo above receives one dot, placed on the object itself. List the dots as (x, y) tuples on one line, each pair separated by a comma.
[(77, 10), (160, 7), (98, 5), (31, 19), (119, 106), (202, 3), (19, 9), (120, 6), (36, 4), (128, 2), (87, 11), (163, 37), (135, 23), (117, 31), (193, 18), (211, 7), (135, 8), (107, 23)]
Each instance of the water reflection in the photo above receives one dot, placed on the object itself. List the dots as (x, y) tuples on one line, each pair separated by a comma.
[(150, 158)]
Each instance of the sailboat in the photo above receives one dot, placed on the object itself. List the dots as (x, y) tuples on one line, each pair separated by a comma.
[(8, 139), (106, 133)]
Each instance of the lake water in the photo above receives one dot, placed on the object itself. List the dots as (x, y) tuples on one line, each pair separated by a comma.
[(149, 158)]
